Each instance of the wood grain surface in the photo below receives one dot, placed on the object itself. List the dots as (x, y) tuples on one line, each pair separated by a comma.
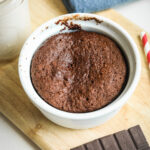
[(16, 106)]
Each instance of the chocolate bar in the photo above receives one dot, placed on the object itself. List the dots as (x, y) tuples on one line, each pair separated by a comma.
[(131, 139)]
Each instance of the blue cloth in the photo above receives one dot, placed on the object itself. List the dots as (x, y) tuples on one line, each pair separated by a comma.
[(90, 5)]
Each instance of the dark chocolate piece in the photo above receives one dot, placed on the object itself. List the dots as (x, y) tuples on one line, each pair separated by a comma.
[(80, 148), (138, 137), (132, 139), (124, 140), (94, 145), (109, 142)]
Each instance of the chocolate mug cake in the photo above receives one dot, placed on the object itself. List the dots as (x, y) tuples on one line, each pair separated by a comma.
[(78, 71)]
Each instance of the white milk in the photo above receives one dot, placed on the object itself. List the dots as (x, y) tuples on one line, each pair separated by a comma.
[(14, 27)]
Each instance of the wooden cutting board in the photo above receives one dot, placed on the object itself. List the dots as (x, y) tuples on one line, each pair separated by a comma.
[(16, 106)]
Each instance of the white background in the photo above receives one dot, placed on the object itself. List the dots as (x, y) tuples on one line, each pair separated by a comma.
[(11, 138)]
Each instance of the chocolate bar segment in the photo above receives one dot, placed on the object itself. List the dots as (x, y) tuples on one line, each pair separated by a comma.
[(94, 145), (79, 148), (132, 139), (124, 140), (109, 143), (138, 138)]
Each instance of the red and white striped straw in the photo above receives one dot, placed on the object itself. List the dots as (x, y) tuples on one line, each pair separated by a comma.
[(146, 46)]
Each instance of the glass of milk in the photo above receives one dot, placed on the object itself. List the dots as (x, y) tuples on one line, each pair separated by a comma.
[(14, 27)]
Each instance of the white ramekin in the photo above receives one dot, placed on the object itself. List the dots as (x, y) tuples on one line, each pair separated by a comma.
[(80, 120)]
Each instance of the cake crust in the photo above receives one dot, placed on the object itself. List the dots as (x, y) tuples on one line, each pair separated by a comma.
[(78, 71)]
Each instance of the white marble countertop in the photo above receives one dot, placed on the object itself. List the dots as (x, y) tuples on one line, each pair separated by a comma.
[(13, 139)]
